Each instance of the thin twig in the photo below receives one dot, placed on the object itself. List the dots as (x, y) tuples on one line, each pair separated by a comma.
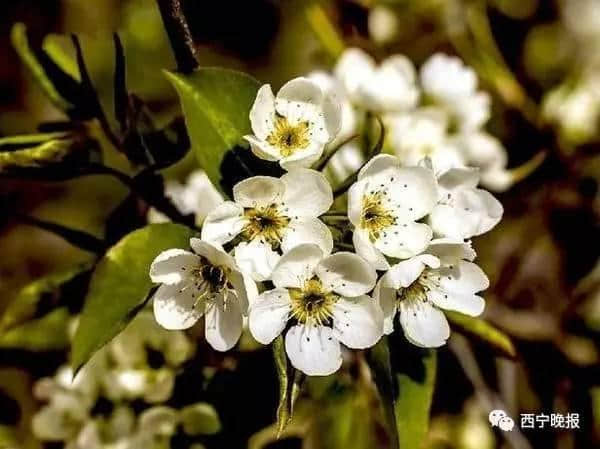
[(179, 35), (322, 163), (80, 239)]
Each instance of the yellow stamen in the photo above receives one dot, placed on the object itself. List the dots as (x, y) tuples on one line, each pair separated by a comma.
[(312, 303), (375, 218), (265, 222), (287, 137)]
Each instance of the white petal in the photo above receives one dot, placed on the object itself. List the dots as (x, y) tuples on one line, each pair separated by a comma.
[(379, 165), (313, 350), (463, 278), (471, 305), (459, 177), (223, 223), (404, 240), (245, 288), (302, 90), (269, 315), (223, 325), (213, 252), (413, 192), (333, 114), (172, 266), (387, 299), (297, 266), (262, 149), (368, 251), (447, 78), (307, 193), (263, 112), (347, 274), (404, 273), (256, 258), (450, 251), (357, 322), (303, 158), (307, 230), (423, 324), (174, 306), (353, 69), (258, 191), (356, 194)]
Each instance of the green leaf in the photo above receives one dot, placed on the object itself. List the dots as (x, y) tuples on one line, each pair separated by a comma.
[(216, 103), (200, 419), (29, 58), (484, 331), (46, 333), (119, 284), (48, 156), (405, 378), (46, 289)]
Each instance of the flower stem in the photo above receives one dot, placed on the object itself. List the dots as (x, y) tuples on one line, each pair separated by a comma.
[(322, 163), (179, 35)]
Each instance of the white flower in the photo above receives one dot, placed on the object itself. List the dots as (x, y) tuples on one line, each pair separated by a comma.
[(345, 162), (271, 216), (421, 287), (422, 134), (384, 206), (389, 87), (484, 151), (463, 211), (293, 127), (196, 196), (325, 298), (449, 83), (204, 282), (332, 87)]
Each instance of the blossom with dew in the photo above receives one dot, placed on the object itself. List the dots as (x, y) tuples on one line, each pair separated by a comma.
[(463, 211), (324, 296), (423, 134), (384, 206), (420, 288), (270, 216), (388, 87), (294, 126), (196, 196), (447, 82), (206, 282)]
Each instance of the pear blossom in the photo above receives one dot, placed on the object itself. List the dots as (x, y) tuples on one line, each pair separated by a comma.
[(463, 211), (196, 196), (420, 288), (270, 216), (487, 153), (294, 126), (324, 297), (384, 206), (345, 162), (206, 282), (449, 83), (422, 134), (383, 24), (389, 87)]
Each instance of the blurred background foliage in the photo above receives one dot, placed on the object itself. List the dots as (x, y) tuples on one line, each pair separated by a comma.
[(539, 60)]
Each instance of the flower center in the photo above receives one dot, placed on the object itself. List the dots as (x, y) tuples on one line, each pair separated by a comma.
[(287, 137), (375, 218), (265, 222), (417, 291), (312, 303), (209, 279)]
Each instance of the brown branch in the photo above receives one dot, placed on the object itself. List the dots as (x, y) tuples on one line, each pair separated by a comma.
[(179, 35)]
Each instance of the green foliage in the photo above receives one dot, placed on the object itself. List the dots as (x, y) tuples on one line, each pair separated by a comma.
[(119, 285), (216, 104), (200, 419), (47, 289), (484, 331), (47, 155), (406, 381), (44, 334), (30, 59)]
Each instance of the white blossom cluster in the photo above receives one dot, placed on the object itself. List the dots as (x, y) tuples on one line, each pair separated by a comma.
[(269, 253), (436, 112), (93, 409)]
